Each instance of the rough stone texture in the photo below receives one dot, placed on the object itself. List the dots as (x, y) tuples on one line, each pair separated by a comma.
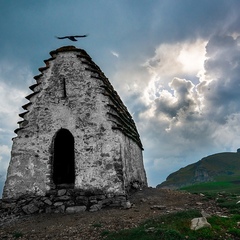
[(158, 207), (198, 223), (72, 201), (31, 208), (61, 192), (76, 209), (89, 225), (72, 93)]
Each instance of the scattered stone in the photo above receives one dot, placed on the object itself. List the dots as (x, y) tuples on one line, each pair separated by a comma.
[(106, 202), (30, 209), (120, 198), (59, 200), (92, 198), (126, 205), (64, 198), (158, 207), (150, 230), (61, 192), (48, 202), (178, 209), (94, 201), (57, 204), (60, 209), (204, 214), (223, 216), (76, 209), (198, 223), (95, 208), (101, 197), (139, 211), (82, 200)]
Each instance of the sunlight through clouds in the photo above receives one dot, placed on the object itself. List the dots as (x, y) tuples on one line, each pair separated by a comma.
[(188, 94), (192, 57), (178, 59), (174, 60), (168, 95)]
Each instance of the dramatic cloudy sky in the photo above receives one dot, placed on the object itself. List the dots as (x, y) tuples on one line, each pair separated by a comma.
[(175, 64)]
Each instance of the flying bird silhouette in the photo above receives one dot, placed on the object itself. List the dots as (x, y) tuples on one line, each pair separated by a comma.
[(73, 38)]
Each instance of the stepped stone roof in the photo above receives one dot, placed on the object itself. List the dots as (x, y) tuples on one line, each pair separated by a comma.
[(118, 112)]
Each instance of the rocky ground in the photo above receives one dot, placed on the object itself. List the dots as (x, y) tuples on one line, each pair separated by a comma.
[(146, 204)]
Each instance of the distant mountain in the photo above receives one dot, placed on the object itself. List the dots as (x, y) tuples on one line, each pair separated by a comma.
[(207, 169)]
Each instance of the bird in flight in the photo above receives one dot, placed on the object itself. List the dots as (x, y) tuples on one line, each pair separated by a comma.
[(72, 38)]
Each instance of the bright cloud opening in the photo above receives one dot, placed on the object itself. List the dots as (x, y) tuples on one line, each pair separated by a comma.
[(174, 60), (192, 56)]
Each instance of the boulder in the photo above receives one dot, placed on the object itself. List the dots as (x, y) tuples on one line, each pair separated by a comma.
[(198, 223), (57, 204), (158, 207), (61, 192), (76, 209), (126, 205), (30, 208), (64, 198), (95, 208), (48, 202)]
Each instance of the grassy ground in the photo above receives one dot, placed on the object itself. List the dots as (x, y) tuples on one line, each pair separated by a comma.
[(177, 226), (226, 193), (221, 184)]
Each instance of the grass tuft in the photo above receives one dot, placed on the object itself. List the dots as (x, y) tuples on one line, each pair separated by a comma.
[(97, 225), (17, 234)]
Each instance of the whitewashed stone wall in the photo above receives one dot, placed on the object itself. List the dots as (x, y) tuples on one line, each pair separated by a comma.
[(72, 93)]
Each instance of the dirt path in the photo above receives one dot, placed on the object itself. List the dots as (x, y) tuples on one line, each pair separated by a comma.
[(148, 203)]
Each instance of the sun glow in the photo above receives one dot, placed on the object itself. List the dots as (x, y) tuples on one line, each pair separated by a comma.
[(192, 56)]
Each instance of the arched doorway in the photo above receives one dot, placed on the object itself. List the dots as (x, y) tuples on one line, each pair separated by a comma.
[(63, 158)]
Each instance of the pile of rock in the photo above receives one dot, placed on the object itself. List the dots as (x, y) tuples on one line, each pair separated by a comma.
[(62, 200)]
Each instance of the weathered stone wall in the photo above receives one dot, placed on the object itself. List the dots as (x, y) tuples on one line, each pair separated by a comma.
[(72, 93), (62, 201), (133, 170)]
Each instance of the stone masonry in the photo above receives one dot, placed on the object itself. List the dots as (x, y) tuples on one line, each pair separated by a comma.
[(76, 134)]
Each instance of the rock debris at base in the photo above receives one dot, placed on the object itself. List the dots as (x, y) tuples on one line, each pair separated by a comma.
[(90, 225)]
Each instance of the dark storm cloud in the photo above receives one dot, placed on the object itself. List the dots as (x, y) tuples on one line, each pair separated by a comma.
[(182, 103), (181, 20)]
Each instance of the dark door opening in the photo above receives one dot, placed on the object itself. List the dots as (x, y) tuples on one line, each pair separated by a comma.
[(63, 158)]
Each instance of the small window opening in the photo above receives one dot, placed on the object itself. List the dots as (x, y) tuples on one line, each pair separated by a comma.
[(63, 158), (64, 88)]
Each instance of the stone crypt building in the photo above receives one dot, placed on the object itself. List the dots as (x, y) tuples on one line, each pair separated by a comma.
[(76, 133)]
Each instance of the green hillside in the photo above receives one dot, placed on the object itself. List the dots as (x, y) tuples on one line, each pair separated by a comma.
[(216, 167)]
